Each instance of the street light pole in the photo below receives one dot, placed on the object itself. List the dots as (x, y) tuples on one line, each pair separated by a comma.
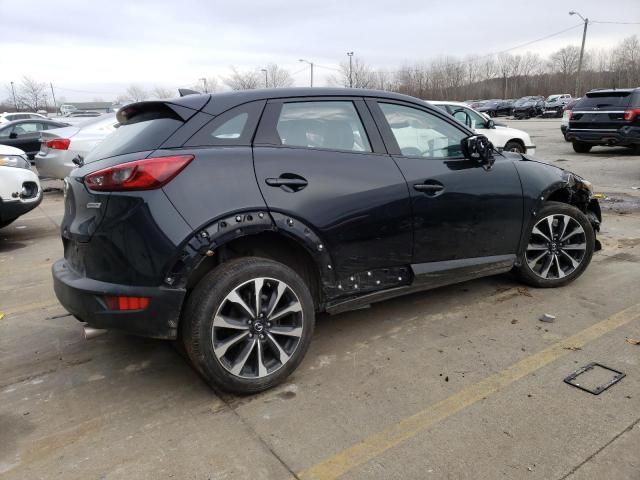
[(266, 78), (204, 83), (584, 37), (311, 65), (14, 97), (350, 55)]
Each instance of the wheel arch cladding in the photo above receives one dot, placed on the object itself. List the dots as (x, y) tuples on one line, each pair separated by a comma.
[(259, 233), (543, 183)]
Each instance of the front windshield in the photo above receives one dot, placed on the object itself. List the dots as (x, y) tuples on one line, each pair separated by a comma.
[(552, 98), (523, 101)]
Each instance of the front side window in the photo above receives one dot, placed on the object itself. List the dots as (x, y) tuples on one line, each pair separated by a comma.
[(422, 134), (330, 125)]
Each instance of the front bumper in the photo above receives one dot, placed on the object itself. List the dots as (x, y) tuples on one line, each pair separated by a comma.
[(14, 209), (84, 298), (622, 136)]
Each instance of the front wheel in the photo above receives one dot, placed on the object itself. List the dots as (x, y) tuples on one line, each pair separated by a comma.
[(560, 245), (512, 146), (248, 324), (581, 147)]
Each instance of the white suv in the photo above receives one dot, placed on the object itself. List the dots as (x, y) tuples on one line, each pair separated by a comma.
[(502, 137), (20, 190)]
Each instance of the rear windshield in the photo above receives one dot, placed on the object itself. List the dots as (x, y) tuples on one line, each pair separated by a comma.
[(144, 132), (605, 99)]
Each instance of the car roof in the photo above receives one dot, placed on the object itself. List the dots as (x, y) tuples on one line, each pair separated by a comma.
[(216, 103), (612, 90), (445, 102)]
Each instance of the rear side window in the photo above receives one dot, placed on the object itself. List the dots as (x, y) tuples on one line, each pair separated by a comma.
[(233, 127), (145, 131), (330, 125), (605, 100)]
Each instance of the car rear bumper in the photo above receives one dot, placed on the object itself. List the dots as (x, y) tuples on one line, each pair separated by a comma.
[(57, 165), (84, 298), (621, 136)]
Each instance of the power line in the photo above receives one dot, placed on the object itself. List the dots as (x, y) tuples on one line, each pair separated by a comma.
[(615, 23)]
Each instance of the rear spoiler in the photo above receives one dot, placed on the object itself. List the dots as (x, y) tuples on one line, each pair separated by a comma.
[(187, 91)]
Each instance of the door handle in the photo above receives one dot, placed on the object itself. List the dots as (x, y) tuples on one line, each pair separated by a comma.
[(430, 189), (289, 183)]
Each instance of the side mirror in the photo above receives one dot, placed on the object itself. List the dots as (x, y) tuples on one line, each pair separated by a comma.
[(480, 149), (491, 124), (13, 135)]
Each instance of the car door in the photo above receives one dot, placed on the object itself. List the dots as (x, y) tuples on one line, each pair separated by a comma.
[(322, 162), (26, 136), (461, 210)]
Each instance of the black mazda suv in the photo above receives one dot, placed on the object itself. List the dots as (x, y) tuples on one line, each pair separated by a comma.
[(609, 117), (228, 221)]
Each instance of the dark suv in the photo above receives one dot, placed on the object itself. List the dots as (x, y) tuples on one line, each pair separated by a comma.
[(227, 221), (606, 117)]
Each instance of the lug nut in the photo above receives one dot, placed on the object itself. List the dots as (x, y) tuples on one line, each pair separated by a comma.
[(251, 335), (261, 337), (269, 324), (249, 322)]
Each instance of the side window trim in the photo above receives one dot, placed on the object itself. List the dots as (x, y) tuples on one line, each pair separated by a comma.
[(385, 130)]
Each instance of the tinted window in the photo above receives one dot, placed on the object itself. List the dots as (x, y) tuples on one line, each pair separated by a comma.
[(27, 127), (233, 127), (608, 99), (142, 134), (327, 125), (422, 134)]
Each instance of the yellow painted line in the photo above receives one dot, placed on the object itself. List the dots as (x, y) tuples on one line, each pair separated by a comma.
[(30, 307), (378, 443)]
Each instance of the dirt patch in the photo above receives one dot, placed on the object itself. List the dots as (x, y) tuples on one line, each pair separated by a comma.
[(620, 203)]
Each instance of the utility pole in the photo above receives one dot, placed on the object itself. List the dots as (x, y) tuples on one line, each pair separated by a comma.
[(14, 96), (311, 65), (584, 37), (266, 77), (55, 105), (350, 55)]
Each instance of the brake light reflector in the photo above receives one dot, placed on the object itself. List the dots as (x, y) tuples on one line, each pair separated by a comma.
[(146, 174), (122, 302), (59, 144), (631, 114)]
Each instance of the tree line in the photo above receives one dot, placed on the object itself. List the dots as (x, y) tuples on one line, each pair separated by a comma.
[(503, 75)]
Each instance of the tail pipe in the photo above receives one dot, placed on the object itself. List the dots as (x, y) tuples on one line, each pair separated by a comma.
[(89, 332)]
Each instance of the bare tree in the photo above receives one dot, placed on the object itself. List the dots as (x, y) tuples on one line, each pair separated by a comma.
[(359, 75), (277, 77), (206, 85), (243, 80), (135, 93), (162, 92), (31, 94), (565, 60)]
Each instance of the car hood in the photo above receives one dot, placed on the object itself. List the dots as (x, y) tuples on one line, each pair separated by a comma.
[(7, 150)]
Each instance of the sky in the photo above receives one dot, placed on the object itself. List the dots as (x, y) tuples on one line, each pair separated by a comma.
[(90, 50)]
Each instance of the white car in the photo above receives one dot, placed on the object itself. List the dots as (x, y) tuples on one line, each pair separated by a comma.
[(20, 189), (10, 117), (502, 137), (60, 146)]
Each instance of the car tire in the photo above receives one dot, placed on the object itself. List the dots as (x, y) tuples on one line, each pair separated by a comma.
[(513, 146), (262, 353), (581, 147), (548, 261)]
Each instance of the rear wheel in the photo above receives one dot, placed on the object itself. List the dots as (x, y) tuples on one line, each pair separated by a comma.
[(559, 248), (513, 146), (581, 147), (248, 324)]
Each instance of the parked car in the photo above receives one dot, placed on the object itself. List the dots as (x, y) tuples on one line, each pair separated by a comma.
[(25, 134), (495, 108), (59, 147), (527, 107), (10, 117), (83, 113), (554, 105), (566, 114), (228, 220), (501, 136), (608, 117), (20, 190)]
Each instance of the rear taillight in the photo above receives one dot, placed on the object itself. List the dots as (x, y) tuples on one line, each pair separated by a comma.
[(122, 302), (59, 144), (631, 113), (144, 174)]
